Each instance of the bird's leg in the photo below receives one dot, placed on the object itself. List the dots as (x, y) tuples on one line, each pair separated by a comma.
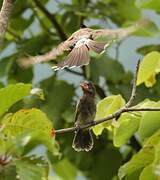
[(91, 122)]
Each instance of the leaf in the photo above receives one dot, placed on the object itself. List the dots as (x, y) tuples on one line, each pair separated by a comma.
[(132, 13), (138, 161), (143, 158), (149, 67), (148, 48), (156, 163), (58, 96), (8, 173), (106, 107), (128, 125), (125, 10), (28, 126), (34, 44), (147, 173), (20, 24), (150, 30), (106, 67), (31, 168), (149, 122), (11, 94), (149, 4), (65, 169), (16, 74)]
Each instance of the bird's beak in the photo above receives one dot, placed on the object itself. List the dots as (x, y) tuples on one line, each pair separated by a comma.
[(83, 86)]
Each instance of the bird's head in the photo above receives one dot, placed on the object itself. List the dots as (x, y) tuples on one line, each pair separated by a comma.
[(88, 88), (83, 26)]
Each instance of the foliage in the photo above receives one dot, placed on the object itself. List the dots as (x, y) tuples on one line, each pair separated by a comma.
[(35, 101)]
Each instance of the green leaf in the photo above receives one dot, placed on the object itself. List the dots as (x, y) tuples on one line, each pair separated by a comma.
[(130, 14), (31, 168), (20, 24), (100, 169), (27, 126), (65, 169), (106, 107), (150, 121), (8, 172), (150, 30), (149, 4), (128, 125), (148, 48), (58, 96), (143, 158), (147, 173), (35, 44), (149, 67), (16, 74), (11, 94), (138, 161), (156, 163), (125, 10), (106, 67)]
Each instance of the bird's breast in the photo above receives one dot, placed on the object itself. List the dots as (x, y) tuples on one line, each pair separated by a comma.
[(82, 41)]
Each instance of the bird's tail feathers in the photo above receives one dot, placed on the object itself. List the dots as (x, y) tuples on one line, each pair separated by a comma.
[(76, 58), (83, 140)]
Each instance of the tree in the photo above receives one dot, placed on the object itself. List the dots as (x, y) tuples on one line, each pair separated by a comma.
[(37, 105)]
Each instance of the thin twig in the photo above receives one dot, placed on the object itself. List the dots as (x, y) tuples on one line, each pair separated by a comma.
[(133, 94), (16, 36), (52, 19), (40, 20), (116, 114), (143, 109), (73, 72)]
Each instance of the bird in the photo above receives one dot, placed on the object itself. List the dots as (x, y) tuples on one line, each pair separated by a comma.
[(85, 113), (80, 43)]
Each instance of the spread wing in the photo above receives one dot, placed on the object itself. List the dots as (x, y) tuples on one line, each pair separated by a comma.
[(113, 33), (121, 32), (53, 54), (77, 57)]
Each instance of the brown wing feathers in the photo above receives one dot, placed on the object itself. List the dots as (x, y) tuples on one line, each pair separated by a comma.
[(98, 47), (77, 57)]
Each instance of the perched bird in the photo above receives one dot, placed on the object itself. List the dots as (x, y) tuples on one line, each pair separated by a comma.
[(85, 113), (80, 43)]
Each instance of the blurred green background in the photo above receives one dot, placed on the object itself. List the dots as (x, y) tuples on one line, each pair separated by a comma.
[(32, 31)]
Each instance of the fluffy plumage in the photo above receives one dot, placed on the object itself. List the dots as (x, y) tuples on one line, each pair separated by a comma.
[(80, 43), (84, 36), (85, 112)]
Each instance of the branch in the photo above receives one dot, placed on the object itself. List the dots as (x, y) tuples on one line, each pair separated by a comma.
[(116, 114), (5, 13), (112, 116), (74, 72), (133, 94), (16, 36)]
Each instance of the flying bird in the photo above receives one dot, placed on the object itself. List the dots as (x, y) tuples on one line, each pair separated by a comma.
[(85, 113), (80, 43)]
